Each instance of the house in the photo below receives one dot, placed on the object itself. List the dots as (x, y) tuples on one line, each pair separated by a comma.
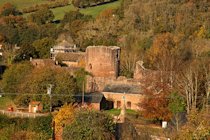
[(131, 95), (95, 101), (63, 47), (35, 106)]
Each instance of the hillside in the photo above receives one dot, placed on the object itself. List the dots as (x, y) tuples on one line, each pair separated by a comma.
[(60, 11)]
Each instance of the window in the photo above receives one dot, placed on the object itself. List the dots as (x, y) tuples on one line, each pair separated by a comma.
[(118, 104), (129, 105), (90, 66)]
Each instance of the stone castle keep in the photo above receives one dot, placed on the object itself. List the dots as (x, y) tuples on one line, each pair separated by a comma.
[(103, 63)]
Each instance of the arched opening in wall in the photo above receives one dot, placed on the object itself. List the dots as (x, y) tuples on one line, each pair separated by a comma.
[(118, 104), (128, 105), (90, 66)]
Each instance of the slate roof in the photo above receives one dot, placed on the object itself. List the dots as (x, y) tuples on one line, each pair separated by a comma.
[(90, 98), (122, 88)]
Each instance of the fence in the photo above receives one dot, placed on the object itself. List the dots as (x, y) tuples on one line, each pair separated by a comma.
[(21, 114)]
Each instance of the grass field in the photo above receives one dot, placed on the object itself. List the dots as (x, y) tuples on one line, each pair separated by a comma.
[(116, 112), (60, 11)]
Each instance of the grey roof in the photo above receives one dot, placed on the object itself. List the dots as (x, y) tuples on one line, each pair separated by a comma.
[(123, 88), (90, 98)]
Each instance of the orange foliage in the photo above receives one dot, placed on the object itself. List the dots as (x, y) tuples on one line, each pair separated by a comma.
[(156, 107)]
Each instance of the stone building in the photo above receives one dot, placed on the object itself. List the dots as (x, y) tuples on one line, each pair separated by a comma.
[(131, 94), (63, 47)]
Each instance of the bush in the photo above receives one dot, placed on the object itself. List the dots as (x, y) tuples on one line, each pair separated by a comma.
[(89, 3), (87, 123), (58, 3), (26, 128)]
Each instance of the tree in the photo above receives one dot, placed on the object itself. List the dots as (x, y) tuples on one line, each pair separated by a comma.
[(25, 52), (14, 76), (155, 107), (101, 31), (90, 125), (42, 16), (197, 127), (8, 9), (63, 86), (43, 46), (64, 117), (80, 76), (176, 106)]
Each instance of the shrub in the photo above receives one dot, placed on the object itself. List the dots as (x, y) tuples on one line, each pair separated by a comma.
[(87, 123)]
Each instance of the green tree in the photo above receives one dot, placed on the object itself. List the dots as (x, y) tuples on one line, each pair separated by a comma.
[(80, 76), (90, 125), (25, 52), (43, 46), (42, 16), (176, 106), (63, 86), (14, 76)]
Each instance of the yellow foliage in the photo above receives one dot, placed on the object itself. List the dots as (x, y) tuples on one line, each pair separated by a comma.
[(64, 116), (82, 63), (202, 32)]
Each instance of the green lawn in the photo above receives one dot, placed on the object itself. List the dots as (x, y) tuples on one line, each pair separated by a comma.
[(60, 11), (94, 11), (5, 102), (116, 112)]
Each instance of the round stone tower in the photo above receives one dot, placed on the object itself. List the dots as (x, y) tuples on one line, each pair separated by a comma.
[(103, 61)]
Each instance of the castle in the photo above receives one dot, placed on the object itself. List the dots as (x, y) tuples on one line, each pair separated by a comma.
[(103, 63)]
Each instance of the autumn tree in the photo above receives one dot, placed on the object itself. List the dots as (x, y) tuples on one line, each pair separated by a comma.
[(103, 30), (197, 127), (64, 117), (8, 9), (193, 79), (155, 108)]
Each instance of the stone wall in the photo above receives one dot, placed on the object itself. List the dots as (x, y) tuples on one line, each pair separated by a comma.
[(141, 73)]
